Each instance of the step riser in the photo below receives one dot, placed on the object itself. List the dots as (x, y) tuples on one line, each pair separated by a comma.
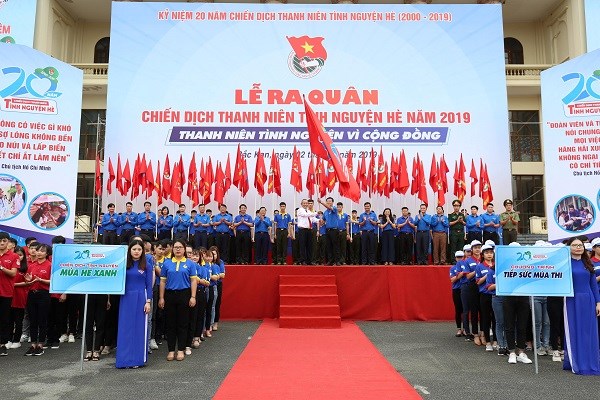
[(310, 323), (300, 300), (302, 280), (307, 290), (312, 311)]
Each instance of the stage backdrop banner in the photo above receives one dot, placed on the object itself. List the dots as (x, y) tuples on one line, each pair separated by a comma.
[(17, 21), (533, 271), (40, 113), (571, 112), (192, 81), (592, 28), (88, 269)]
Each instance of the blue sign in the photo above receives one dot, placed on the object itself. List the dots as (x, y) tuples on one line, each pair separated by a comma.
[(17, 21), (533, 271), (88, 269)]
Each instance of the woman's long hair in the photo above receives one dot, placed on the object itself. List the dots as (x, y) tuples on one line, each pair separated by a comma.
[(142, 261), (23, 262), (585, 257)]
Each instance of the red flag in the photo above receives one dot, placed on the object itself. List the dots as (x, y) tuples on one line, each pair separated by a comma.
[(111, 176), (166, 180), (321, 178), (462, 184), (487, 194), (441, 195), (433, 174), (98, 177), (305, 46), (219, 184), (192, 176), (456, 178), (321, 144), (274, 184), (386, 187), (393, 179), (443, 174), (143, 170), (245, 182), (331, 178), (481, 178), (414, 188), (135, 191), (422, 184), (227, 174), (126, 178), (149, 179), (181, 173), (238, 173), (363, 179), (473, 176), (403, 181), (207, 181), (260, 174), (311, 178), (176, 185), (119, 184), (381, 174), (158, 183), (296, 176)]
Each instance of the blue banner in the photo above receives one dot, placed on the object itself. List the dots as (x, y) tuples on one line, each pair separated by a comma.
[(88, 269), (533, 271), (17, 21), (592, 28)]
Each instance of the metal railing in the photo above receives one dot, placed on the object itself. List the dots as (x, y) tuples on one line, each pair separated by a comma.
[(525, 71), (95, 70)]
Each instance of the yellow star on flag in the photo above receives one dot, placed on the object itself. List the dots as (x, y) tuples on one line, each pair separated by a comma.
[(307, 48)]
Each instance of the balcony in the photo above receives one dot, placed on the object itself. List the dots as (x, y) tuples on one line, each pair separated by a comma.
[(95, 77)]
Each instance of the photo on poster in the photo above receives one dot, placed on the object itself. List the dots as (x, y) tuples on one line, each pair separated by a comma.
[(13, 197), (575, 213), (49, 211)]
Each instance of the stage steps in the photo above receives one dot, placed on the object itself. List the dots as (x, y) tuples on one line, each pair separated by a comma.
[(308, 301)]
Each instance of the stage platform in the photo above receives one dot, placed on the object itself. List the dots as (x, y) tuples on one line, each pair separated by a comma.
[(366, 293)]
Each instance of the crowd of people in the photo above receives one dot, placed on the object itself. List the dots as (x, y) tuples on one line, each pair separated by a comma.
[(172, 292), (575, 219), (566, 328), (328, 237)]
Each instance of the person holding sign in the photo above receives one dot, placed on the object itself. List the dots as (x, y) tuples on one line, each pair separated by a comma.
[(38, 299), (581, 327), (485, 296), (177, 293), (134, 308)]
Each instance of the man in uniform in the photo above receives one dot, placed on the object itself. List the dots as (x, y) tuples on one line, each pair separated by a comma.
[(509, 220), (457, 223)]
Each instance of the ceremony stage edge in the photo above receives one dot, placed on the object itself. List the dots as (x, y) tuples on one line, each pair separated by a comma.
[(366, 293)]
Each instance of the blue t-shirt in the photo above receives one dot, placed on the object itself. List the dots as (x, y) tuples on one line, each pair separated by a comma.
[(165, 223), (354, 228), (128, 221), (597, 271), (455, 270), (202, 219), (423, 223), (342, 220), (368, 226), (242, 226), (439, 223), (222, 227), (490, 279), (467, 267), (481, 270), (487, 218), (262, 225), (282, 221), (181, 222), (406, 228), (472, 223), (146, 220), (177, 274)]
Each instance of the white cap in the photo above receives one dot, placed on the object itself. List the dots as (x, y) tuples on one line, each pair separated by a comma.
[(475, 243), (560, 244), (490, 243), (539, 243), (459, 253), (486, 247), (514, 244), (467, 247), (587, 246), (596, 242)]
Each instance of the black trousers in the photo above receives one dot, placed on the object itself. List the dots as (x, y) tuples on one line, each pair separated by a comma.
[(16, 321), (509, 236), (491, 236), (126, 234), (158, 317), (474, 236), (296, 250), (56, 319), (212, 240), (457, 242), (110, 237), (469, 296), (342, 245), (96, 315), (218, 301), (281, 242), (197, 320), (112, 322), (488, 319), (314, 236), (244, 245), (148, 232), (74, 313), (166, 234), (333, 251), (181, 235), (516, 312), (177, 313), (355, 249), (38, 306), (387, 246), (458, 309), (223, 245), (201, 239), (368, 243), (422, 246), (5, 327), (262, 247), (305, 243), (407, 242), (557, 320)]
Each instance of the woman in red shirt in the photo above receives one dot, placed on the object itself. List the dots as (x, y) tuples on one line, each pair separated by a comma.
[(19, 300), (38, 299)]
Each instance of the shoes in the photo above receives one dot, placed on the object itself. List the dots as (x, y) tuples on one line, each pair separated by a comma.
[(63, 338), (208, 334), (9, 344), (489, 347), (153, 345), (215, 326), (459, 333), (542, 352), (46, 345), (54, 345), (556, 356), (512, 358), (38, 351), (24, 338), (477, 340), (188, 351), (180, 356), (170, 356), (522, 357), (15, 345), (202, 338), (502, 351), (3, 351), (30, 351), (71, 338), (469, 337), (105, 350), (88, 356), (96, 356)]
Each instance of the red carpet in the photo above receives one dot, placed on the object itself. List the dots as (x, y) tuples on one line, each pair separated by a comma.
[(313, 364)]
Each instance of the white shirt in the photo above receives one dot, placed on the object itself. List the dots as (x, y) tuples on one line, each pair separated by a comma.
[(18, 202), (305, 218)]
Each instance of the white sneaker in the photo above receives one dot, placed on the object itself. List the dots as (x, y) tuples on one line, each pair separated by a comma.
[(71, 338), (188, 351), (512, 358), (14, 346), (522, 357), (24, 338), (541, 352), (489, 347), (153, 345), (9, 345), (63, 338), (556, 356)]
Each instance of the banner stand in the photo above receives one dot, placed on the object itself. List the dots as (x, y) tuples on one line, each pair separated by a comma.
[(535, 355), (85, 307)]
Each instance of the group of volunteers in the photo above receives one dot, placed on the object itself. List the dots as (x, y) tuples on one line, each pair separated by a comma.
[(328, 237), (566, 328), (172, 291)]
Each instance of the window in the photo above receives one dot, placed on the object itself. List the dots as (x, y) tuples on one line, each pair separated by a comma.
[(85, 194), (529, 198), (525, 141), (513, 51), (92, 131), (101, 51)]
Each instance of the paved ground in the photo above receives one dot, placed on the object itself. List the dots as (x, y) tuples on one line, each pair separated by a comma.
[(426, 354)]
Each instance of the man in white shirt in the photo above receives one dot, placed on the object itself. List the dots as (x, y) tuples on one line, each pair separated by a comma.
[(18, 201), (305, 220)]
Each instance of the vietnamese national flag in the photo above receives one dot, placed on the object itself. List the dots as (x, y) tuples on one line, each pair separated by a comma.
[(149, 179), (403, 181), (321, 178), (386, 187), (306, 46), (176, 183), (98, 177), (166, 180), (414, 188), (362, 173), (487, 194), (443, 174), (473, 176), (134, 179), (456, 179), (158, 183), (227, 174), (381, 174), (372, 176), (393, 180), (126, 178), (245, 181), (238, 172), (274, 184), (462, 184), (260, 174), (192, 176), (219, 185), (111, 176), (181, 173), (119, 184), (143, 170), (296, 176), (481, 178), (311, 178), (207, 181), (422, 194), (433, 174)]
